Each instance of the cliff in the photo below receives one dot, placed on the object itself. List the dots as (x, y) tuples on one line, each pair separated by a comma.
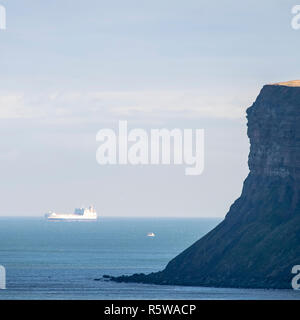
[(258, 242)]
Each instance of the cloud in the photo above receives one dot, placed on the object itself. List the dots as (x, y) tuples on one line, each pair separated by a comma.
[(91, 106), (11, 106)]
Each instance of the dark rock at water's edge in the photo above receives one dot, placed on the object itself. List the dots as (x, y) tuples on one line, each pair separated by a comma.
[(258, 242)]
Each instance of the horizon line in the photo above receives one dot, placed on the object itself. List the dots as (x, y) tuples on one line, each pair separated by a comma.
[(129, 217)]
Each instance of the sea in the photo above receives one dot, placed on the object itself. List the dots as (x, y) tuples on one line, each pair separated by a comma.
[(67, 260)]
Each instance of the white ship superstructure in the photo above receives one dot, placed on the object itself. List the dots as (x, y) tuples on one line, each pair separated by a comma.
[(79, 214)]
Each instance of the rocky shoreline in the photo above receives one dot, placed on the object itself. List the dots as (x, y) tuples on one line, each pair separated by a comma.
[(258, 242)]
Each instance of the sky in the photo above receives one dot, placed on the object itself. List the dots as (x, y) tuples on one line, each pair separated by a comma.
[(71, 68)]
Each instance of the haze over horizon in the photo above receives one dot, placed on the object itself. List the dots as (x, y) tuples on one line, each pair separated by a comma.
[(71, 68)]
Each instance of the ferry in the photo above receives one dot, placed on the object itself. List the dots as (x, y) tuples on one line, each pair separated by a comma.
[(80, 214)]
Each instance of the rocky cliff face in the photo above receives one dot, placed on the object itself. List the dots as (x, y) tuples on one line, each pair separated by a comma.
[(258, 242)]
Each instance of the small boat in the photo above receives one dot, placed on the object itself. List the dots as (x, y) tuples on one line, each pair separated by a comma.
[(150, 234)]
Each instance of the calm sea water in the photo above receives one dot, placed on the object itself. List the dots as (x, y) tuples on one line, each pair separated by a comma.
[(61, 260)]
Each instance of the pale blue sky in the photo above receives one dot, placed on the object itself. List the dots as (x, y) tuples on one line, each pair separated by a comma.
[(70, 68)]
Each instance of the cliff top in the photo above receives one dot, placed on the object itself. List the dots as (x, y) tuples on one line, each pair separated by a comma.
[(294, 83)]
